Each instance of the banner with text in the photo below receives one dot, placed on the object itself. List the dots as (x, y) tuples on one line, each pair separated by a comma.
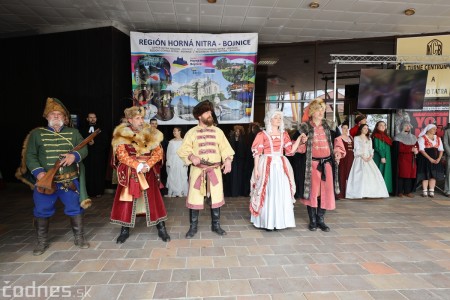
[(173, 72), (433, 112), (438, 81)]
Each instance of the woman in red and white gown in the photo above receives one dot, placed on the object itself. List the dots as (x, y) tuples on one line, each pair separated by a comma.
[(272, 183)]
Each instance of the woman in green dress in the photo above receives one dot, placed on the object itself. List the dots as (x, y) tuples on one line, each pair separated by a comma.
[(382, 153)]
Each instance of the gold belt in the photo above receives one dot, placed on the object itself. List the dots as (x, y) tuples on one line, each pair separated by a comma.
[(66, 176)]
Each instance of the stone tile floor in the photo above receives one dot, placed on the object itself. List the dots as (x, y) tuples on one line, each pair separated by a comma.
[(396, 248)]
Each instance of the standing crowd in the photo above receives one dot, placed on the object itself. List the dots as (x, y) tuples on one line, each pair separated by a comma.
[(319, 165)]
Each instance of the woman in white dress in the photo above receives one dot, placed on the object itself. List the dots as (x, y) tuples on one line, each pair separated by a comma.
[(177, 177), (272, 183), (365, 179)]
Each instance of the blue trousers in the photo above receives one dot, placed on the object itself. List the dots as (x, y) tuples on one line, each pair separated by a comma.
[(44, 205)]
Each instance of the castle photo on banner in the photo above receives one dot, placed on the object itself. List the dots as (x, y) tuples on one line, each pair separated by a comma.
[(173, 72)]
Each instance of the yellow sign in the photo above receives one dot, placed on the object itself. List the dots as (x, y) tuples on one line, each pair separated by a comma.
[(438, 81)]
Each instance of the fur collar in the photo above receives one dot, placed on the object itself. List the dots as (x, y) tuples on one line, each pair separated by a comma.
[(144, 141), (308, 129), (22, 172)]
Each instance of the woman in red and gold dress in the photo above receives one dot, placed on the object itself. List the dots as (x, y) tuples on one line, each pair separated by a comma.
[(345, 164)]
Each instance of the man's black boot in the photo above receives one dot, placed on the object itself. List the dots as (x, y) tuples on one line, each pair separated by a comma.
[(215, 222), (124, 234), (78, 231), (321, 220), (41, 225), (193, 220), (162, 232), (312, 218)]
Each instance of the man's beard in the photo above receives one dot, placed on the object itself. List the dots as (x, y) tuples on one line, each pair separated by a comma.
[(137, 127), (55, 123), (207, 121)]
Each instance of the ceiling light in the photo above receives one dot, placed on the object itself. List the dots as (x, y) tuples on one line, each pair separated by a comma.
[(314, 4), (212, 1), (409, 11)]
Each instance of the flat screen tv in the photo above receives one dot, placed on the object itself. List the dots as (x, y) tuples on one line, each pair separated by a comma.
[(391, 89)]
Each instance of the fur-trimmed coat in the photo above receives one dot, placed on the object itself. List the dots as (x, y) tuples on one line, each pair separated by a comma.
[(145, 142), (128, 145), (308, 129)]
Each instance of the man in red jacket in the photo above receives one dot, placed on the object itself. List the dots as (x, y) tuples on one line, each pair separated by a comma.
[(360, 119)]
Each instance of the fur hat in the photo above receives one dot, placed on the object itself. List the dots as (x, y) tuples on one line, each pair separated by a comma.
[(54, 104), (133, 111), (201, 108), (315, 105)]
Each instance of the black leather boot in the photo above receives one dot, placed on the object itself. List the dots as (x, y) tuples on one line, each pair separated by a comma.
[(321, 220), (193, 220), (41, 225), (312, 218), (162, 232), (78, 231), (124, 234), (215, 221)]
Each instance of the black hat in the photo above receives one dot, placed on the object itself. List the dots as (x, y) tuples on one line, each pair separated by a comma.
[(201, 108)]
